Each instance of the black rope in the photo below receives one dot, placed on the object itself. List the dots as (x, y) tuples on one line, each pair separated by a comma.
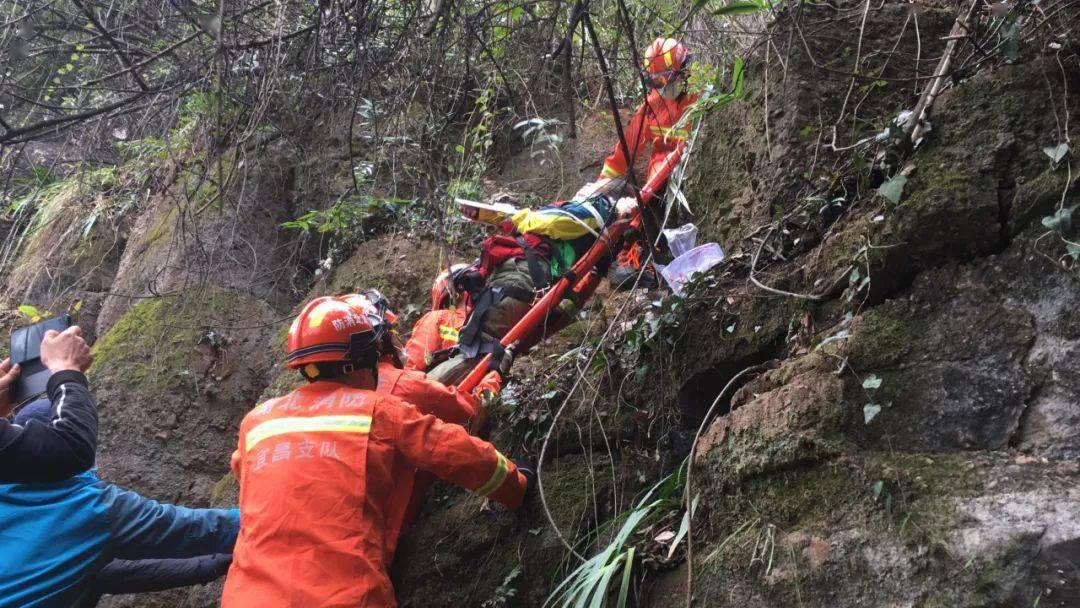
[(614, 107)]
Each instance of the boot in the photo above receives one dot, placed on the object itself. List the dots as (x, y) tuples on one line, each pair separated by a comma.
[(627, 265)]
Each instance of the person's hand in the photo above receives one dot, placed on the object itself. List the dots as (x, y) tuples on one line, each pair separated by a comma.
[(507, 360), (65, 351), (8, 374), (529, 471)]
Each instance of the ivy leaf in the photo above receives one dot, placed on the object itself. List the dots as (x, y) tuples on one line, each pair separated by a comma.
[(870, 411), (1060, 221), (738, 8), (30, 311), (1073, 249), (872, 382), (893, 189), (1056, 153)]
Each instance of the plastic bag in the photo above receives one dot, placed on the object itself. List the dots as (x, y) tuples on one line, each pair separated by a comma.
[(683, 268), (681, 239)]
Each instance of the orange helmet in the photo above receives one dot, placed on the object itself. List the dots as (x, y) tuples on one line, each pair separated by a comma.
[(442, 288), (332, 330), (664, 58)]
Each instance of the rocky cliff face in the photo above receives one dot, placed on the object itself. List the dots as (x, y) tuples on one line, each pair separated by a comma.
[(908, 434)]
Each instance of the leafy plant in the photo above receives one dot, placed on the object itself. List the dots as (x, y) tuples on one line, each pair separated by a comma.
[(711, 101), (740, 7), (650, 330), (345, 217), (1056, 153), (470, 158), (32, 313), (872, 382), (504, 593), (1062, 220), (590, 584), (870, 411)]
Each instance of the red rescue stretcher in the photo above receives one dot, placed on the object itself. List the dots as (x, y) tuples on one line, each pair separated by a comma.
[(577, 277)]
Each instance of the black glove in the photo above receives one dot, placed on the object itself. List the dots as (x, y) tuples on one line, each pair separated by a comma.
[(507, 360), (529, 472), (470, 281), (501, 362)]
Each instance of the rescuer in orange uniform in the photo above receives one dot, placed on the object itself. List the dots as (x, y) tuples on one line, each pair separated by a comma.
[(414, 386), (665, 68), (446, 403), (666, 61), (437, 331), (317, 469)]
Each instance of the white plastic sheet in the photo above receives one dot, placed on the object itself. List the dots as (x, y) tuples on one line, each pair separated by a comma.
[(683, 268)]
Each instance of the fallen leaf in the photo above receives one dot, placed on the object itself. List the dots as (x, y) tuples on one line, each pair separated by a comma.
[(665, 537)]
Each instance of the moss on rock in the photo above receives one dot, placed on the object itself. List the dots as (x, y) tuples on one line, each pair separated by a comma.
[(153, 346), (143, 350)]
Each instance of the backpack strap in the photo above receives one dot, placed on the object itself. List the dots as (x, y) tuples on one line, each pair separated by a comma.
[(469, 337), (540, 278)]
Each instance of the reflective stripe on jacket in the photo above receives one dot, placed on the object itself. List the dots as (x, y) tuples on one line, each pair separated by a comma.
[(436, 330), (317, 469)]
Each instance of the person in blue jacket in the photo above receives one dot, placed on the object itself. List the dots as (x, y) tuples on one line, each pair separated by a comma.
[(65, 444), (122, 576), (57, 537)]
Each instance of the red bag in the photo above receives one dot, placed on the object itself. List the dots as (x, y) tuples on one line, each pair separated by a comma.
[(499, 248)]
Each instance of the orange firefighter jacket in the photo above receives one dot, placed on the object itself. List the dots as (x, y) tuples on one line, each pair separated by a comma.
[(653, 122), (449, 405), (436, 330), (432, 397), (317, 469)]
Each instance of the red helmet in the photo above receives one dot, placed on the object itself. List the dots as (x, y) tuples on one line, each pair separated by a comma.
[(332, 330), (664, 58), (441, 288)]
